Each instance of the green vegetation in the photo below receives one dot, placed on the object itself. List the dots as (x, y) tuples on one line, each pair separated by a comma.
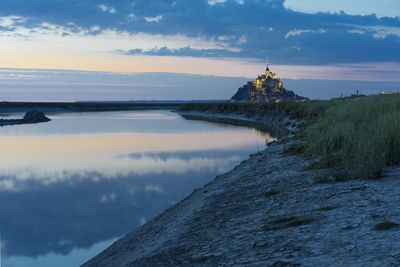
[(357, 136), (324, 180), (294, 149), (327, 208), (385, 225), (270, 193), (293, 109), (286, 222)]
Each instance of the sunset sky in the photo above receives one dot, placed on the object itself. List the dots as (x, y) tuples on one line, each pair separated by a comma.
[(317, 39)]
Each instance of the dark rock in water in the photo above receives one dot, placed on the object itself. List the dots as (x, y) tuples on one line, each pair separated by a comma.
[(266, 88), (30, 117), (35, 117)]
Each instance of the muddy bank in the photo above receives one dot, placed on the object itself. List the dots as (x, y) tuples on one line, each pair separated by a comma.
[(278, 126), (270, 210)]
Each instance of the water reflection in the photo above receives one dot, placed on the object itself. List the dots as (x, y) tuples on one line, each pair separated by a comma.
[(63, 192)]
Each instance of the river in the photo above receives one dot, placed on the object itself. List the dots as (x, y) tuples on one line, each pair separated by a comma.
[(72, 186)]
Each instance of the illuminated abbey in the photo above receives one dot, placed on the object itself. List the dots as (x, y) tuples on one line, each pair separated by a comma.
[(267, 87)]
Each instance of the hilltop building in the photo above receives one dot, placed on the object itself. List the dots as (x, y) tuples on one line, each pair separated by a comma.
[(267, 87)]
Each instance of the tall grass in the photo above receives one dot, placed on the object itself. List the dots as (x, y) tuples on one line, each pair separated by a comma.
[(358, 137), (294, 109)]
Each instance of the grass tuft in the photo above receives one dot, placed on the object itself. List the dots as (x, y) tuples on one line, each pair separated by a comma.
[(327, 208), (270, 193), (286, 222), (294, 149), (323, 180), (386, 225)]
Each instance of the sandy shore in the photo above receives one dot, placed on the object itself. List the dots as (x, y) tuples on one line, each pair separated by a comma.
[(270, 211)]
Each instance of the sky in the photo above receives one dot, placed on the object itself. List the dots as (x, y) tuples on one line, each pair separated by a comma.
[(63, 85), (302, 39)]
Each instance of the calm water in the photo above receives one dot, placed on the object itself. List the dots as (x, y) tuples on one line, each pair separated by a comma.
[(70, 187)]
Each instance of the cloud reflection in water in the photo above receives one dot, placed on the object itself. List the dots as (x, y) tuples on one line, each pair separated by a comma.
[(63, 192)]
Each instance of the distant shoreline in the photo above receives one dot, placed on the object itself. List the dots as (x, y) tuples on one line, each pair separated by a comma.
[(48, 108), (57, 107)]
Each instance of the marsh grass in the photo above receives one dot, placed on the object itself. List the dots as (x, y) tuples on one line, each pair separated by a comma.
[(357, 137), (324, 180), (287, 222), (386, 225), (294, 149), (270, 193), (293, 109), (327, 208)]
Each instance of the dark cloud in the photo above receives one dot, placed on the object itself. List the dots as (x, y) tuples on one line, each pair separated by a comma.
[(183, 52), (257, 29)]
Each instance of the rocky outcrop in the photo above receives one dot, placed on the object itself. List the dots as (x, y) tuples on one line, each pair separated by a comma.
[(29, 118), (35, 117), (266, 88)]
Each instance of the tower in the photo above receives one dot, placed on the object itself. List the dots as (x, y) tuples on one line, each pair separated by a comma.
[(269, 73)]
